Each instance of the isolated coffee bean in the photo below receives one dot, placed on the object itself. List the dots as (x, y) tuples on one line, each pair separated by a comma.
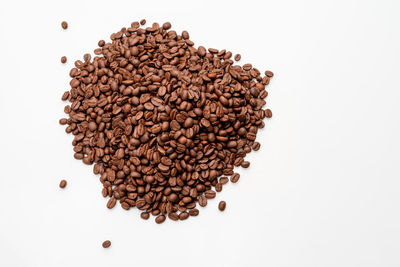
[(163, 121), (106, 244), (235, 177), (238, 57), (64, 25), (222, 205), (63, 184), (63, 59), (160, 219)]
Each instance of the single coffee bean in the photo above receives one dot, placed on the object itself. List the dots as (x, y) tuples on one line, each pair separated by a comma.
[(64, 25), (142, 22), (106, 244), (63, 184), (235, 177), (145, 215), (183, 216), (210, 194), (237, 57), (269, 73), (256, 146), (245, 164), (193, 212), (63, 59), (166, 26), (111, 203), (173, 216), (268, 113), (160, 219), (222, 205)]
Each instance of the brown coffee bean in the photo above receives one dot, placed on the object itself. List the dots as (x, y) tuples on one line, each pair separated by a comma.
[(166, 26), (256, 146), (235, 177), (111, 203), (183, 216), (245, 164), (106, 244), (238, 57), (222, 205), (63, 184), (160, 219), (63, 59), (193, 212), (145, 215), (161, 120), (64, 25), (210, 194), (269, 73), (143, 22), (268, 113)]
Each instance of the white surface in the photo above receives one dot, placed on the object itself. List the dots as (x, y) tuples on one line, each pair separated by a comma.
[(324, 190)]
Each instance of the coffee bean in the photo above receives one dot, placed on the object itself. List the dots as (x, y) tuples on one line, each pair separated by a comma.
[(245, 164), (256, 146), (160, 219), (63, 184), (145, 215), (269, 73), (111, 203), (193, 212), (64, 25), (183, 216), (63, 59), (222, 205), (163, 120), (106, 244), (143, 22), (238, 57), (235, 177)]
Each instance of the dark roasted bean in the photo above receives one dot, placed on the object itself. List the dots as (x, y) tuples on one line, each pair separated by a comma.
[(222, 205), (106, 244), (235, 177), (64, 25), (63, 184)]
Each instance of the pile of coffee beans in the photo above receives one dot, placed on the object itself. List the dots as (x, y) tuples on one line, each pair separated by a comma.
[(163, 122)]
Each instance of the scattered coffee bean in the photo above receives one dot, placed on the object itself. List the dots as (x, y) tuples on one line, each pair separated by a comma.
[(63, 184), (145, 215), (63, 59), (238, 57), (222, 205), (269, 73), (235, 177), (245, 164), (64, 25), (162, 120), (160, 219), (256, 146), (106, 244)]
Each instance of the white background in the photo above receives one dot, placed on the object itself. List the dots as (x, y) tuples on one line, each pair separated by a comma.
[(324, 190)]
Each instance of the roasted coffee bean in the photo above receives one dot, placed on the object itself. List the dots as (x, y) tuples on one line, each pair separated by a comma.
[(106, 244), (256, 146), (64, 25), (238, 57), (269, 73), (63, 59), (183, 216), (235, 177), (245, 164), (160, 219), (143, 22), (145, 215), (193, 212), (162, 119), (222, 205), (63, 184)]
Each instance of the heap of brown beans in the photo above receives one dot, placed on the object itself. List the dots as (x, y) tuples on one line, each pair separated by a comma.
[(163, 122)]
